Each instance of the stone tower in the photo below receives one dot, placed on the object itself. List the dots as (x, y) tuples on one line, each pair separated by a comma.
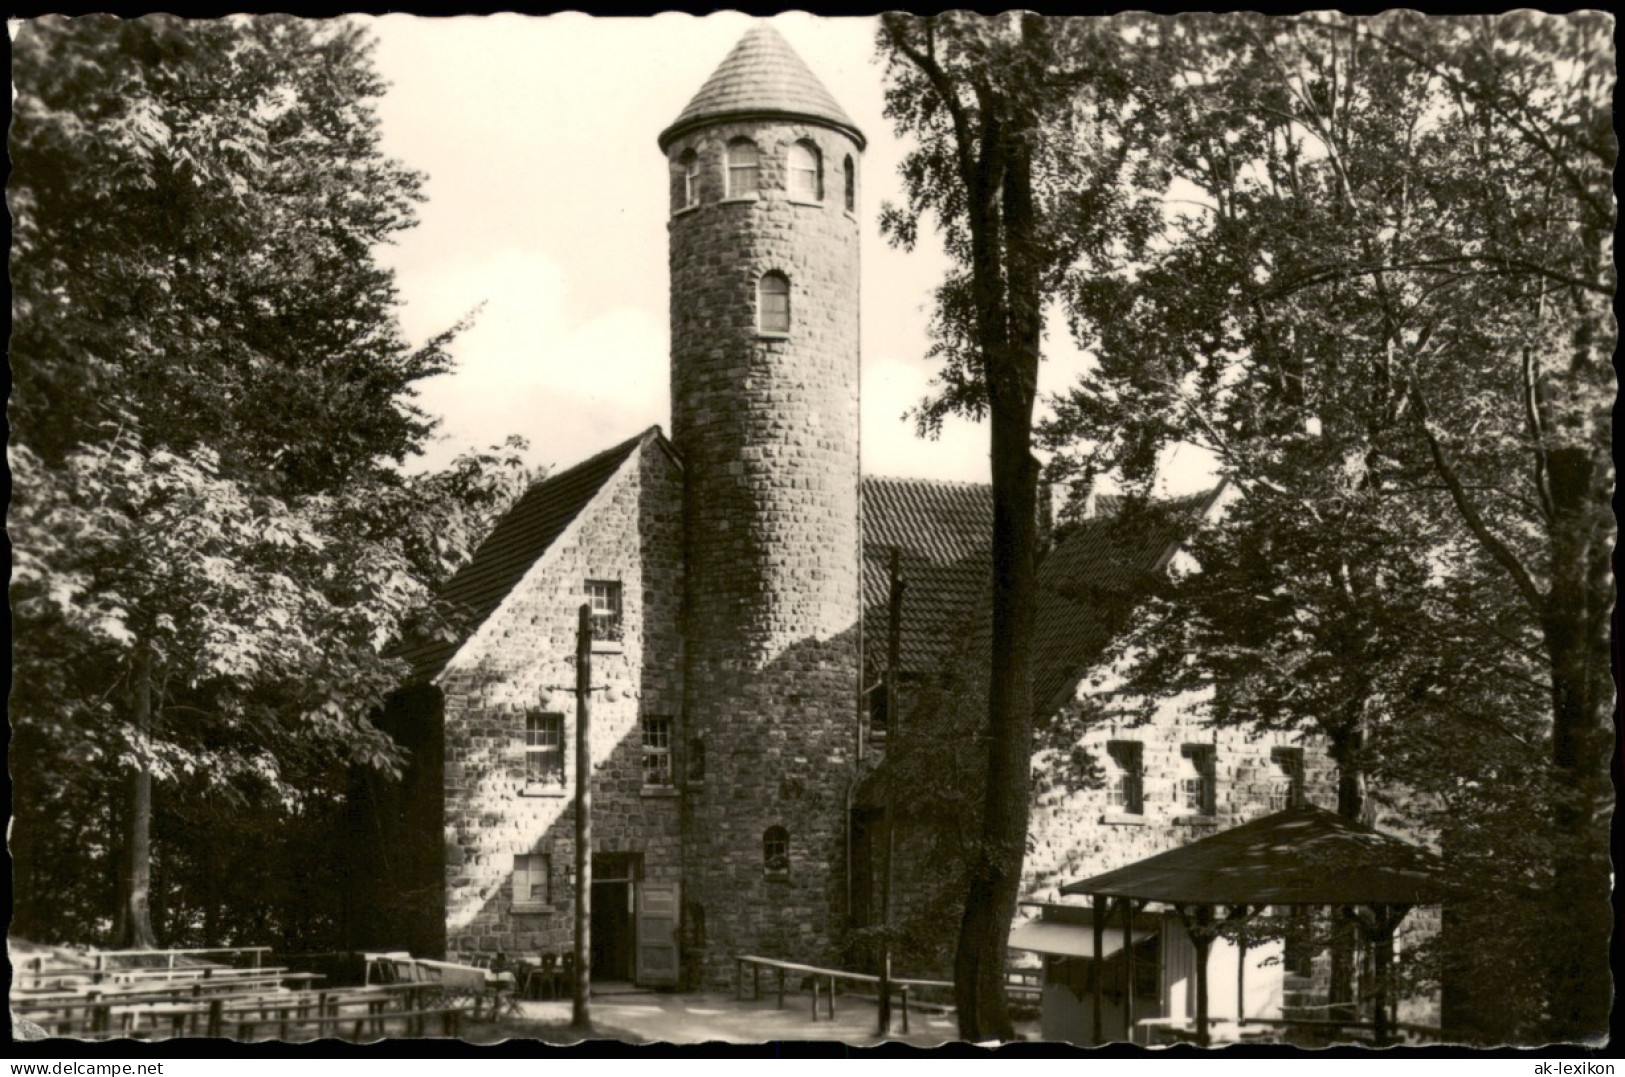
[(764, 397)]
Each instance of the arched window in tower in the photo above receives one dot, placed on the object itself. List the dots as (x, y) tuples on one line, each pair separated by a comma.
[(806, 172), (851, 171), (744, 168), (776, 851), (773, 303), (689, 195)]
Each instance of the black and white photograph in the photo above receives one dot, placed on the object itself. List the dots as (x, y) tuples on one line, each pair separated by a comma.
[(906, 530)]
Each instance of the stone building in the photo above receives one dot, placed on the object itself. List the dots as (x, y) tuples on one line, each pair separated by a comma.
[(738, 575)]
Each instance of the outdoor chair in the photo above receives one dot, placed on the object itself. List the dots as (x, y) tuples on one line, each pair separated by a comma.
[(544, 976), (567, 973)]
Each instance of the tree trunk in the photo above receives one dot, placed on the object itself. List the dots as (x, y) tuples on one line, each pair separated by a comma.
[(1009, 339), (1579, 985), (1345, 751), (135, 913)]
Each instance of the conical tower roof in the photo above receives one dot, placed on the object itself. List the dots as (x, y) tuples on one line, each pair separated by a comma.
[(762, 78)]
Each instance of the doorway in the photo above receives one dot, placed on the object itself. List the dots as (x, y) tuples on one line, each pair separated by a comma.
[(614, 925)]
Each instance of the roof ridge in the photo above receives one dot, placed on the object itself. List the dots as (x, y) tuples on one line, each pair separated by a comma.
[(951, 483)]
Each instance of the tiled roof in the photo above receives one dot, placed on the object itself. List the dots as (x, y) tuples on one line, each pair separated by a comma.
[(761, 77), (522, 535), (1091, 579), (1086, 584), (943, 532)]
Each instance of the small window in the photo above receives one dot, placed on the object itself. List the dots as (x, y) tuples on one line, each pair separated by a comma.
[(544, 752), (690, 164), (1125, 791), (696, 761), (879, 711), (532, 879), (773, 303), (851, 173), (1286, 791), (776, 851), (604, 596), (657, 753), (806, 172), (1197, 785), (744, 168)]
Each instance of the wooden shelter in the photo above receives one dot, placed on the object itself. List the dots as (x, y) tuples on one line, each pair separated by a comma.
[(1304, 856)]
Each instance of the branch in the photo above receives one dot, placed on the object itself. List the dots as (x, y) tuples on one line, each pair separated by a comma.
[(942, 84), (1531, 404), (1338, 272), (1492, 544)]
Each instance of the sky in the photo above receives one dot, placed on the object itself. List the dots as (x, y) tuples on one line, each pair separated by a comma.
[(547, 203)]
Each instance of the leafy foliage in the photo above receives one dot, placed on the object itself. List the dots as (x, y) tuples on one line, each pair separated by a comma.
[(213, 547), (1381, 301)]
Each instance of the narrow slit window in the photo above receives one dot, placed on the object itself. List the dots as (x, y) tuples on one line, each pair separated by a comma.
[(744, 168), (776, 850), (851, 175), (690, 162), (773, 303)]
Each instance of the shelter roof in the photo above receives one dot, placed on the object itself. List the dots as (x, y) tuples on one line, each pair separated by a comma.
[(1300, 856), (762, 78), (520, 537)]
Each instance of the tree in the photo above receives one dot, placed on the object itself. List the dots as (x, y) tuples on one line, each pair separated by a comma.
[(212, 542), (1394, 303), (1020, 157)]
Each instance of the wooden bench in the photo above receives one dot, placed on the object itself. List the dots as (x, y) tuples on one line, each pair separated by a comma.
[(820, 978)]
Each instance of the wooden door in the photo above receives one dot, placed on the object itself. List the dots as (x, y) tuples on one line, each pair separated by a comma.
[(657, 934)]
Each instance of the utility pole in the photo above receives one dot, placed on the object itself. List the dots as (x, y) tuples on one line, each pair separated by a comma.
[(894, 633), (580, 1017)]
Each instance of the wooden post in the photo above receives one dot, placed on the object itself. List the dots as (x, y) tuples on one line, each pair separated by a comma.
[(581, 989), (1384, 921), (1099, 923), (1200, 927), (1129, 907)]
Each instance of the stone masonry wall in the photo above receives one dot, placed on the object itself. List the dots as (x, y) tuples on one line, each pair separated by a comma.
[(768, 428), (1076, 835), (521, 660)]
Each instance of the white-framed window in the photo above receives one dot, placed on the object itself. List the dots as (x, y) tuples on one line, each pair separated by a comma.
[(773, 303), (689, 162), (532, 880), (744, 168), (657, 752), (1125, 789), (776, 850), (806, 172), (1286, 789), (604, 596), (544, 752), (850, 173), (1197, 786)]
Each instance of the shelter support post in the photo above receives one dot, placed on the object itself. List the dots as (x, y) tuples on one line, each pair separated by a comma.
[(1200, 925), (1099, 923), (1379, 925), (1130, 908), (1240, 915)]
